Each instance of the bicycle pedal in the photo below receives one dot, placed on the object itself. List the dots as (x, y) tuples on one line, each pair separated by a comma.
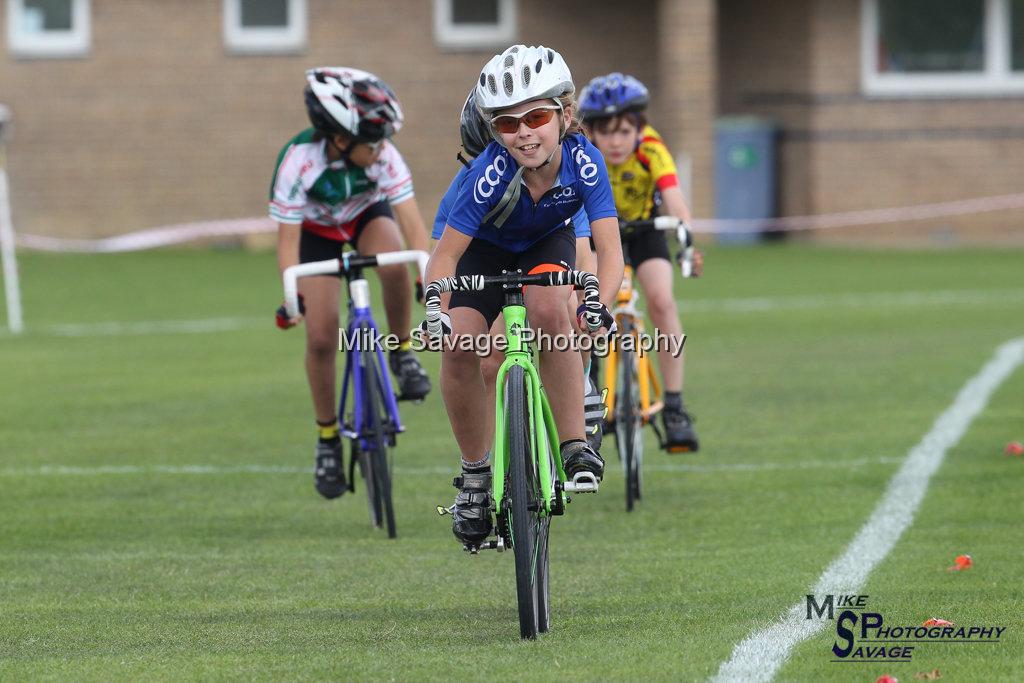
[(494, 544), (582, 482)]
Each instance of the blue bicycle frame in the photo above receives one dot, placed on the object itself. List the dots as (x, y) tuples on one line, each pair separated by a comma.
[(362, 328)]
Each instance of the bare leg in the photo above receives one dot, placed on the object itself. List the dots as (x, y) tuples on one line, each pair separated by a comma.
[(463, 390), (655, 277), (381, 235), (321, 299), (561, 371)]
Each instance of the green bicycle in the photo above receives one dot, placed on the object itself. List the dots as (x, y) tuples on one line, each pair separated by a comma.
[(529, 483)]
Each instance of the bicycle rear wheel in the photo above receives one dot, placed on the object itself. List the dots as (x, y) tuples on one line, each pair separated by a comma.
[(377, 453), (522, 487)]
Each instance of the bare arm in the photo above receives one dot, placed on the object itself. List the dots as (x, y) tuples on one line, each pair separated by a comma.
[(447, 253), (674, 204), (287, 245), (411, 223), (605, 232)]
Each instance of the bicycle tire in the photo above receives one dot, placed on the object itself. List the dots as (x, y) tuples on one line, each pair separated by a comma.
[(624, 424), (522, 489), (366, 472), (380, 470), (543, 578)]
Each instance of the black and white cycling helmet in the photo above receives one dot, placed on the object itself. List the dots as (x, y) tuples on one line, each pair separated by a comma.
[(345, 101), (520, 74), (473, 130)]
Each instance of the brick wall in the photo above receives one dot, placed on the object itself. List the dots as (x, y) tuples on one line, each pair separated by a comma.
[(799, 63), (687, 89), (159, 124)]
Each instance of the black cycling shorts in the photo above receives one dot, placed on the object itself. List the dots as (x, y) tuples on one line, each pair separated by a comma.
[(643, 245), (484, 258), (314, 247)]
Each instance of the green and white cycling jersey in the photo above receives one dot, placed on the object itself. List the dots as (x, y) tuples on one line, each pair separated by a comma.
[(326, 197)]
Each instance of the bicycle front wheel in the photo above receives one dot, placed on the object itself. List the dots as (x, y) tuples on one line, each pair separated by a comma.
[(525, 509), (377, 453), (628, 426)]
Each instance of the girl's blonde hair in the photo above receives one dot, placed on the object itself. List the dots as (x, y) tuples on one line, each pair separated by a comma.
[(568, 101)]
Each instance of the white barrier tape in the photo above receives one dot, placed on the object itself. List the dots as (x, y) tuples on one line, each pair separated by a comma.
[(151, 239), (851, 219), (188, 232)]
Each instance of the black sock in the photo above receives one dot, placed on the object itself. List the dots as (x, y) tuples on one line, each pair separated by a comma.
[(674, 400), (561, 446)]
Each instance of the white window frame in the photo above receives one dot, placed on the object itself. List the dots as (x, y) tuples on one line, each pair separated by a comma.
[(996, 78), (289, 39), (454, 36), (50, 44)]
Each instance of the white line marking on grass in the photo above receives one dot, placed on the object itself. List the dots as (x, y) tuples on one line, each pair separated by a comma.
[(62, 470), (760, 656), (143, 327), (861, 300), (735, 305)]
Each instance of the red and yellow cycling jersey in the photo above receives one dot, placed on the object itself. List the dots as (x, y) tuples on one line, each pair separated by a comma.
[(635, 180)]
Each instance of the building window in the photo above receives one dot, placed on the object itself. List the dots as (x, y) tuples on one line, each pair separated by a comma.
[(472, 24), (1017, 35), (48, 28), (265, 26), (942, 47)]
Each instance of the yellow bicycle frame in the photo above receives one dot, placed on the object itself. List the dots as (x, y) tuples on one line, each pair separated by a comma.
[(626, 317)]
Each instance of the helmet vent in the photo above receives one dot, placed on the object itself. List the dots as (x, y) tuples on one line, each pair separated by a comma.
[(483, 80), (551, 56), (491, 85), (540, 63), (508, 83), (509, 61), (514, 48), (526, 75)]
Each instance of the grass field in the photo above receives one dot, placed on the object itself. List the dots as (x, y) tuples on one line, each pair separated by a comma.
[(158, 522)]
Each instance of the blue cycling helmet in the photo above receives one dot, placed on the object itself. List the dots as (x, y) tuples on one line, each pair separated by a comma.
[(612, 95)]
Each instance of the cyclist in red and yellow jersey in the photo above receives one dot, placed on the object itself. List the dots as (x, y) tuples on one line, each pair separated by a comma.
[(644, 183)]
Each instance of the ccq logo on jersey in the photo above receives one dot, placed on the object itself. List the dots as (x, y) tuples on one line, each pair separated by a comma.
[(486, 183), (863, 636), (564, 193), (588, 169)]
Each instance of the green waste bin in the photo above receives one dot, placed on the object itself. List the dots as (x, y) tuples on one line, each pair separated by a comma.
[(744, 173)]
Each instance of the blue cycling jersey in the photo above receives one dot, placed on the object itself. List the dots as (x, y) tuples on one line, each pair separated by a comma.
[(582, 183), (580, 222)]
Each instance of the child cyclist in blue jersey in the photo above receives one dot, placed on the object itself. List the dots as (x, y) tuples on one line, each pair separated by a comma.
[(511, 213), (343, 182), (475, 135), (644, 182)]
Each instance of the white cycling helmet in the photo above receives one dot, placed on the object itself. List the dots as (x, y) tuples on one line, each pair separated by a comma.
[(520, 74), (352, 102)]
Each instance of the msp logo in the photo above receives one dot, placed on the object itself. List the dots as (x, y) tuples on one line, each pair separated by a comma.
[(486, 183), (863, 636)]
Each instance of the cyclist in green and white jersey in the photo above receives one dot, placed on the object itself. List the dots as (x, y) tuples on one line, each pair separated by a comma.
[(343, 182)]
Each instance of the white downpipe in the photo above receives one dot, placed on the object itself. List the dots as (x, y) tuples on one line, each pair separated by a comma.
[(12, 288)]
